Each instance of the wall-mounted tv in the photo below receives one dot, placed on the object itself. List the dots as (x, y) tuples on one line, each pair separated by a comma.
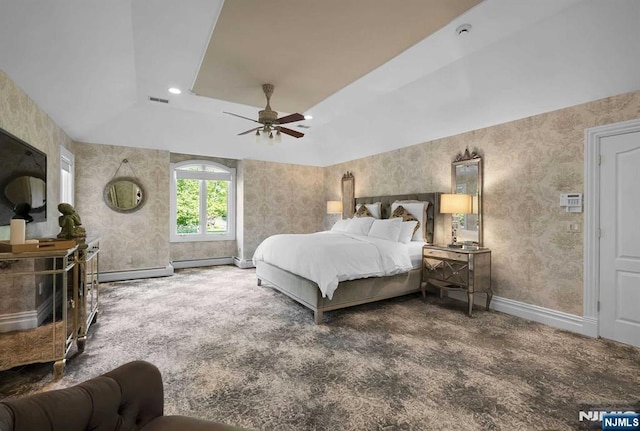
[(23, 180)]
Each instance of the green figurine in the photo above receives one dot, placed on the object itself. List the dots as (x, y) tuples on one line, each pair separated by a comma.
[(70, 223)]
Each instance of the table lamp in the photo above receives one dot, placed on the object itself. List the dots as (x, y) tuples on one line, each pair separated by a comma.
[(455, 204)]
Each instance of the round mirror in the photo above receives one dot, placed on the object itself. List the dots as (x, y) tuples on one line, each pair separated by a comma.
[(124, 194), (27, 190)]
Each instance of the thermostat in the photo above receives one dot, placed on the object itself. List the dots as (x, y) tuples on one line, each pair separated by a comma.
[(572, 202)]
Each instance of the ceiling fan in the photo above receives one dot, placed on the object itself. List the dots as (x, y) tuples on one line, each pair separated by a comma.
[(270, 121)]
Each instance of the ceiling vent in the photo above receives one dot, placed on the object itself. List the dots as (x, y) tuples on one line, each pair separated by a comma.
[(159, 100), (302, 126)]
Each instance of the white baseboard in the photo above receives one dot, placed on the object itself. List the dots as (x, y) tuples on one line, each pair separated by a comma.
[(194, 263), (28, 319), (557, 319), (135, 274), (243, 263), (590, 327)]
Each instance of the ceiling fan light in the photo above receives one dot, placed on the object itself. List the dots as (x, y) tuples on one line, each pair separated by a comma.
[(270, 135), (278, 137)]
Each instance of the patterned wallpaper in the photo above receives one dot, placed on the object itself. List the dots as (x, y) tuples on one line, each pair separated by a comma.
[(279, 198), (20, 116), (129, 241), (527, 165)]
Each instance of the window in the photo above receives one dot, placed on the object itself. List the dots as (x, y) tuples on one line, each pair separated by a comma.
[(66, 176), (202, 201)]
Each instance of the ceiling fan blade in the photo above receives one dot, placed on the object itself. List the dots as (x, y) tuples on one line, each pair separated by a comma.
[(240, 116), (290, 118), (249, 131), (290, 132)]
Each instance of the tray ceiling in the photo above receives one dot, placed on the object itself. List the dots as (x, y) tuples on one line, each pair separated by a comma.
[(310, 49)]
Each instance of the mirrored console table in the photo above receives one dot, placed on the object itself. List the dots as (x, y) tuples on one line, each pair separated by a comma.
[(88, 259), (45, 284)]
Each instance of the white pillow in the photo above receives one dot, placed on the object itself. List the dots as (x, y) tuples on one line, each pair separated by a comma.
[(419, 211), (373, 208), (406, 231), (341, 225), (360, 225), (386, 229)]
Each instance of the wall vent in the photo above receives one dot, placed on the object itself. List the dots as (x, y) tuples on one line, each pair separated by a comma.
[(157, 99)]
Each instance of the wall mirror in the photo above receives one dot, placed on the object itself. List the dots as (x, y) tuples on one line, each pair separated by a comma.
[(348, 195), (124, 194), (466, 178)]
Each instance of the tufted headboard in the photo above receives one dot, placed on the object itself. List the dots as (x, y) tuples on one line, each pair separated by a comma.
[(432, 210)]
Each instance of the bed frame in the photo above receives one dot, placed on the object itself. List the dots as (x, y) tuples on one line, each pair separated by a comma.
[(353, 292)]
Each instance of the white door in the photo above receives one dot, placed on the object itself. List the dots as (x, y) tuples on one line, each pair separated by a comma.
[(620, 238)]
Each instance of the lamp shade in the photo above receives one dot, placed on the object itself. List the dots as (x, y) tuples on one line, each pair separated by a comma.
[(334, 207), (455, 204)]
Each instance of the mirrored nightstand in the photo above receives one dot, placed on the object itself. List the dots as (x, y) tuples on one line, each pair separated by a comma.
[(457, 269)]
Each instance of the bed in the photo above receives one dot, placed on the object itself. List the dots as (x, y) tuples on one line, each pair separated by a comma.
[(358, 291)]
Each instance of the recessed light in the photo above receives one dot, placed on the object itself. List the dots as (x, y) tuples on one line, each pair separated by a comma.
[(174, 90), (308, 117)]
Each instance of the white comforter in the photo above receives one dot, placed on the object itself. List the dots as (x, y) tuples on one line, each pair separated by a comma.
[(330, 257)]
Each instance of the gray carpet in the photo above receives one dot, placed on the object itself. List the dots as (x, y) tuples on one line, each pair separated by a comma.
[(234, 352)]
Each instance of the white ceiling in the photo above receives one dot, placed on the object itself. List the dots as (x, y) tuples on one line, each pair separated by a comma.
[(92, 64)]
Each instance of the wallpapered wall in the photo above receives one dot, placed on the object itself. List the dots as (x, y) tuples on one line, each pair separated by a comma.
[(20, 116), (138, 240), (279, 198), (527, 164)]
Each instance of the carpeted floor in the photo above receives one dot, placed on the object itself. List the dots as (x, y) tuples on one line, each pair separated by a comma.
[(247, 355)]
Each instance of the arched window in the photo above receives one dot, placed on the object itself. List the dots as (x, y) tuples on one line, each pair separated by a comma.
[(203, 206)]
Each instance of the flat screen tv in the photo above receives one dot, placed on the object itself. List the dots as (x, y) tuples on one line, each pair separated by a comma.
[(23, 180)]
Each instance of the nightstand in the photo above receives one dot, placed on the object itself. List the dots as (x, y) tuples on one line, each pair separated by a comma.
[(457, 269)]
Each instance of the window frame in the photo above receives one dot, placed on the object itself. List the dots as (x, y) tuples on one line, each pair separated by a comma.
[(67, 165), (228, 174)]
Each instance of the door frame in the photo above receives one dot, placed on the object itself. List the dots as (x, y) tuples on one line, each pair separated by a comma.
[(591, 271)]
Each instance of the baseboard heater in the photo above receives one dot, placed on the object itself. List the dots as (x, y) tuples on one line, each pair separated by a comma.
[(194, 263)]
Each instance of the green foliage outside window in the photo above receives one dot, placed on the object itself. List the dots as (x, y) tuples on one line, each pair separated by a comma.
[(188, 206)]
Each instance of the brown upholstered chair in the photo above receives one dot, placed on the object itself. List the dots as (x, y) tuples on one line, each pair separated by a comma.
[(129, 398)]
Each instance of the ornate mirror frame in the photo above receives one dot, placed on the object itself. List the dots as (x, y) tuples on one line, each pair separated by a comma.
[(467, 164), (348, 195), (109, 190)]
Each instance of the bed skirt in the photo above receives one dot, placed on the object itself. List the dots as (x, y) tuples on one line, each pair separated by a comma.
[(348, 293)]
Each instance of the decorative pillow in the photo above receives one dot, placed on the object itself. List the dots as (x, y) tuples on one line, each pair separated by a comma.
[(374, 209), (386, 229), (341, 225), (363, 212), (360, 225), (419, 210), (403, 214), (407, 230)]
